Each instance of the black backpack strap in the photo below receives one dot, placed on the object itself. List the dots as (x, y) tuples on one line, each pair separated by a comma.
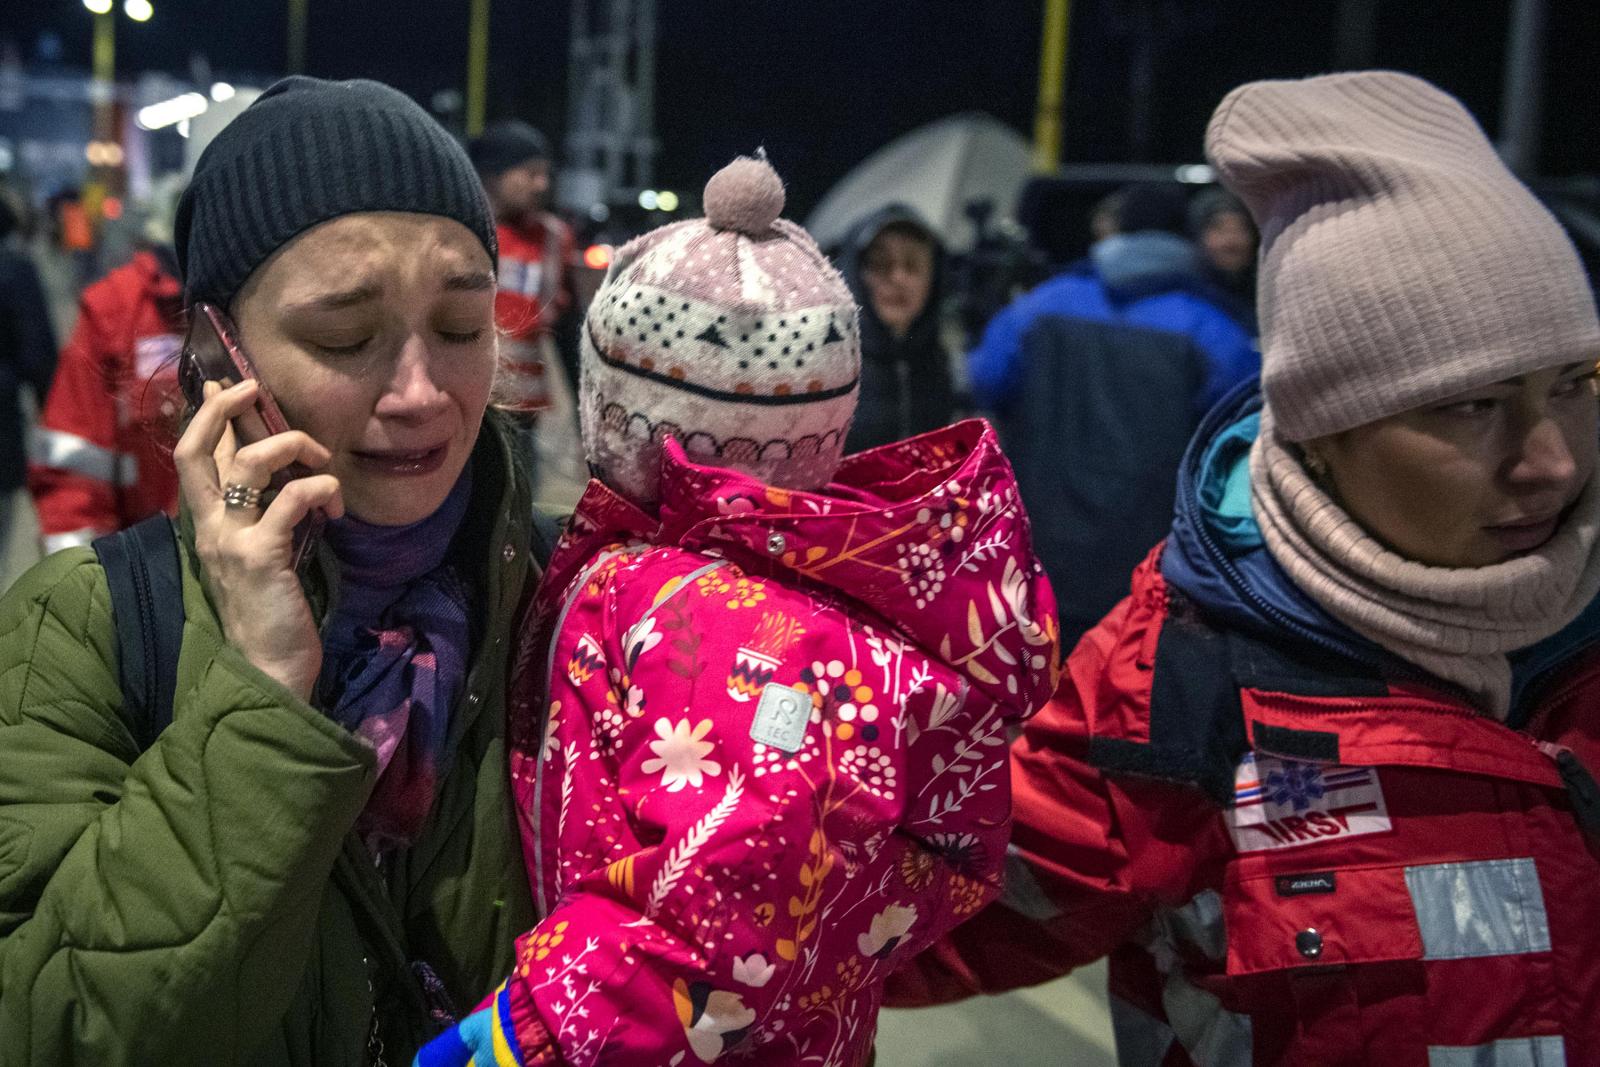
[(142, 572)]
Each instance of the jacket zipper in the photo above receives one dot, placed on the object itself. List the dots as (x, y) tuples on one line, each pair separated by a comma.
[(544, 724), (549, 681)]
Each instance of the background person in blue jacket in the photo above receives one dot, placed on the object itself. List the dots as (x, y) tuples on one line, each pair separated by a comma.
[(1097, 379), (1145, 276)]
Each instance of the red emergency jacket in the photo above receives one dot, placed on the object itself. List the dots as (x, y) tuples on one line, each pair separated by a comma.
[(1294, 858), (535, 272), (101, 457)]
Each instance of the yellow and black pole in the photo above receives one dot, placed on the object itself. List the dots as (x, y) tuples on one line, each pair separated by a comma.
[(477, 66), (105, 52), (1052, 87), (104, 90), (297, 36)]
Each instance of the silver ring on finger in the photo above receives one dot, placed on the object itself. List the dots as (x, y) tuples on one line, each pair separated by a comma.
[(241, 497)]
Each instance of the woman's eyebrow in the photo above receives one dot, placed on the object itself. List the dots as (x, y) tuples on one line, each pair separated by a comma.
[(474, 282), (343, 299)]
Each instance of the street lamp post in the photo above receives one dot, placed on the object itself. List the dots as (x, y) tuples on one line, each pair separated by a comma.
[(477, 66), (297, 36), (1052, 87), (104, 153)]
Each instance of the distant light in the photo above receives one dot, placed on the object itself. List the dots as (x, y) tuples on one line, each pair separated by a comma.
[(667, 200), (103, 154), (99, 7), (597, 257), (167, 112), (111, 208), (1195, 174), (222, 91), (599, 212), (138, 10), (647, 199)]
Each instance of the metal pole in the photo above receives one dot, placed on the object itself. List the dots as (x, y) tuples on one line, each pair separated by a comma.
[(297, 36), (1142, 82), (1521, 103), (104, 92), (1052, 86), (1356, 35), (644, 119), (105, 49), (477, 66)]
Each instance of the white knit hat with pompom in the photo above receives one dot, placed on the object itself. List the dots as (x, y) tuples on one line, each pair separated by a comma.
[(731, 333)]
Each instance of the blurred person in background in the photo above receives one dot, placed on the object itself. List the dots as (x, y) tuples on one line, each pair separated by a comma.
[(1145, 276), (315, 864), (895, 267), (1221, 225), (1098, 378), (74, 231), (1322, 784), (538, 253), (27, 357), (101, 455), (1105, 217)]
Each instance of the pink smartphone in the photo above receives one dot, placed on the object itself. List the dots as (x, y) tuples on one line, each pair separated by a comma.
[(211, 354)]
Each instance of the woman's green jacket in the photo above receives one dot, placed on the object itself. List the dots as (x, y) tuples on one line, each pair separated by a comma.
[(205, 902)]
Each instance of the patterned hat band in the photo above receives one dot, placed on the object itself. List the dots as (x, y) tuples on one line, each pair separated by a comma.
[(794, 354), (675, 378)]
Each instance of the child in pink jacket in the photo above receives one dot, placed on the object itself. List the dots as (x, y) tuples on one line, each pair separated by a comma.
[(760, 721)]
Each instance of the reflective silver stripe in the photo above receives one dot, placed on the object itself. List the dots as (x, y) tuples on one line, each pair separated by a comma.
[(1212, 1035), (70, 539), (1198, 924), (68, 451), (1142, 1039), (1486, 908), (1208, 1032), (1511, 1052), (1022, 892)]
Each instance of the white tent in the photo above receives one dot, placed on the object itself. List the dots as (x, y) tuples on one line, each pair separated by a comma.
[(937, 170)]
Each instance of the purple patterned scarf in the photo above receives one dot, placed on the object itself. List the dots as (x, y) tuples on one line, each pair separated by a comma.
[(395, 647)]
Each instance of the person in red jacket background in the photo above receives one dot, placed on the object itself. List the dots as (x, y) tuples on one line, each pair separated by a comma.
[(538, 253), (1320, 785), (101, 454)]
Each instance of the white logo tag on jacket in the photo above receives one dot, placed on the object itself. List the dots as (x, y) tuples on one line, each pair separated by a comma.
[(781, 717), (1281, 803)]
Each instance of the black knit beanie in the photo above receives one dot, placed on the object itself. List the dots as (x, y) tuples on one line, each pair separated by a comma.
[(506, 144), (307, 151)]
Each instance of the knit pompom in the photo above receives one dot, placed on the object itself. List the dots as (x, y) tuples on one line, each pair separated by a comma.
[(746, 196)]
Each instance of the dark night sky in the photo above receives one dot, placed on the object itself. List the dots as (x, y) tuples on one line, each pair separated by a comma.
[(823, 83)]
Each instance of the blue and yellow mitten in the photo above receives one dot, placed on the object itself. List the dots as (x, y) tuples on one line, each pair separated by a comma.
[(482, 1039)]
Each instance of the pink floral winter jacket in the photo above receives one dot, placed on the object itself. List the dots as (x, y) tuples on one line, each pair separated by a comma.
[(773, 764)]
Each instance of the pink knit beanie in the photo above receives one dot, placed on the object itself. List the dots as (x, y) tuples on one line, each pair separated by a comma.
[(732, 334), (1401, 262)]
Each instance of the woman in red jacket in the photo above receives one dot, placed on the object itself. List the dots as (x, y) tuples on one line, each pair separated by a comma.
[(1319, 785)]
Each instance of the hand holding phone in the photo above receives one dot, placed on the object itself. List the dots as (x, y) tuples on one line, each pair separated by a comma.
[(250, 551), (212, 354)]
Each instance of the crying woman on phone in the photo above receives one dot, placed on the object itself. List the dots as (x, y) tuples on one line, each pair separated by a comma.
[(314, 861)]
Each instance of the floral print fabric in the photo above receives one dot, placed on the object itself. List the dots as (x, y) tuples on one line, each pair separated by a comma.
[(712, 898)]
